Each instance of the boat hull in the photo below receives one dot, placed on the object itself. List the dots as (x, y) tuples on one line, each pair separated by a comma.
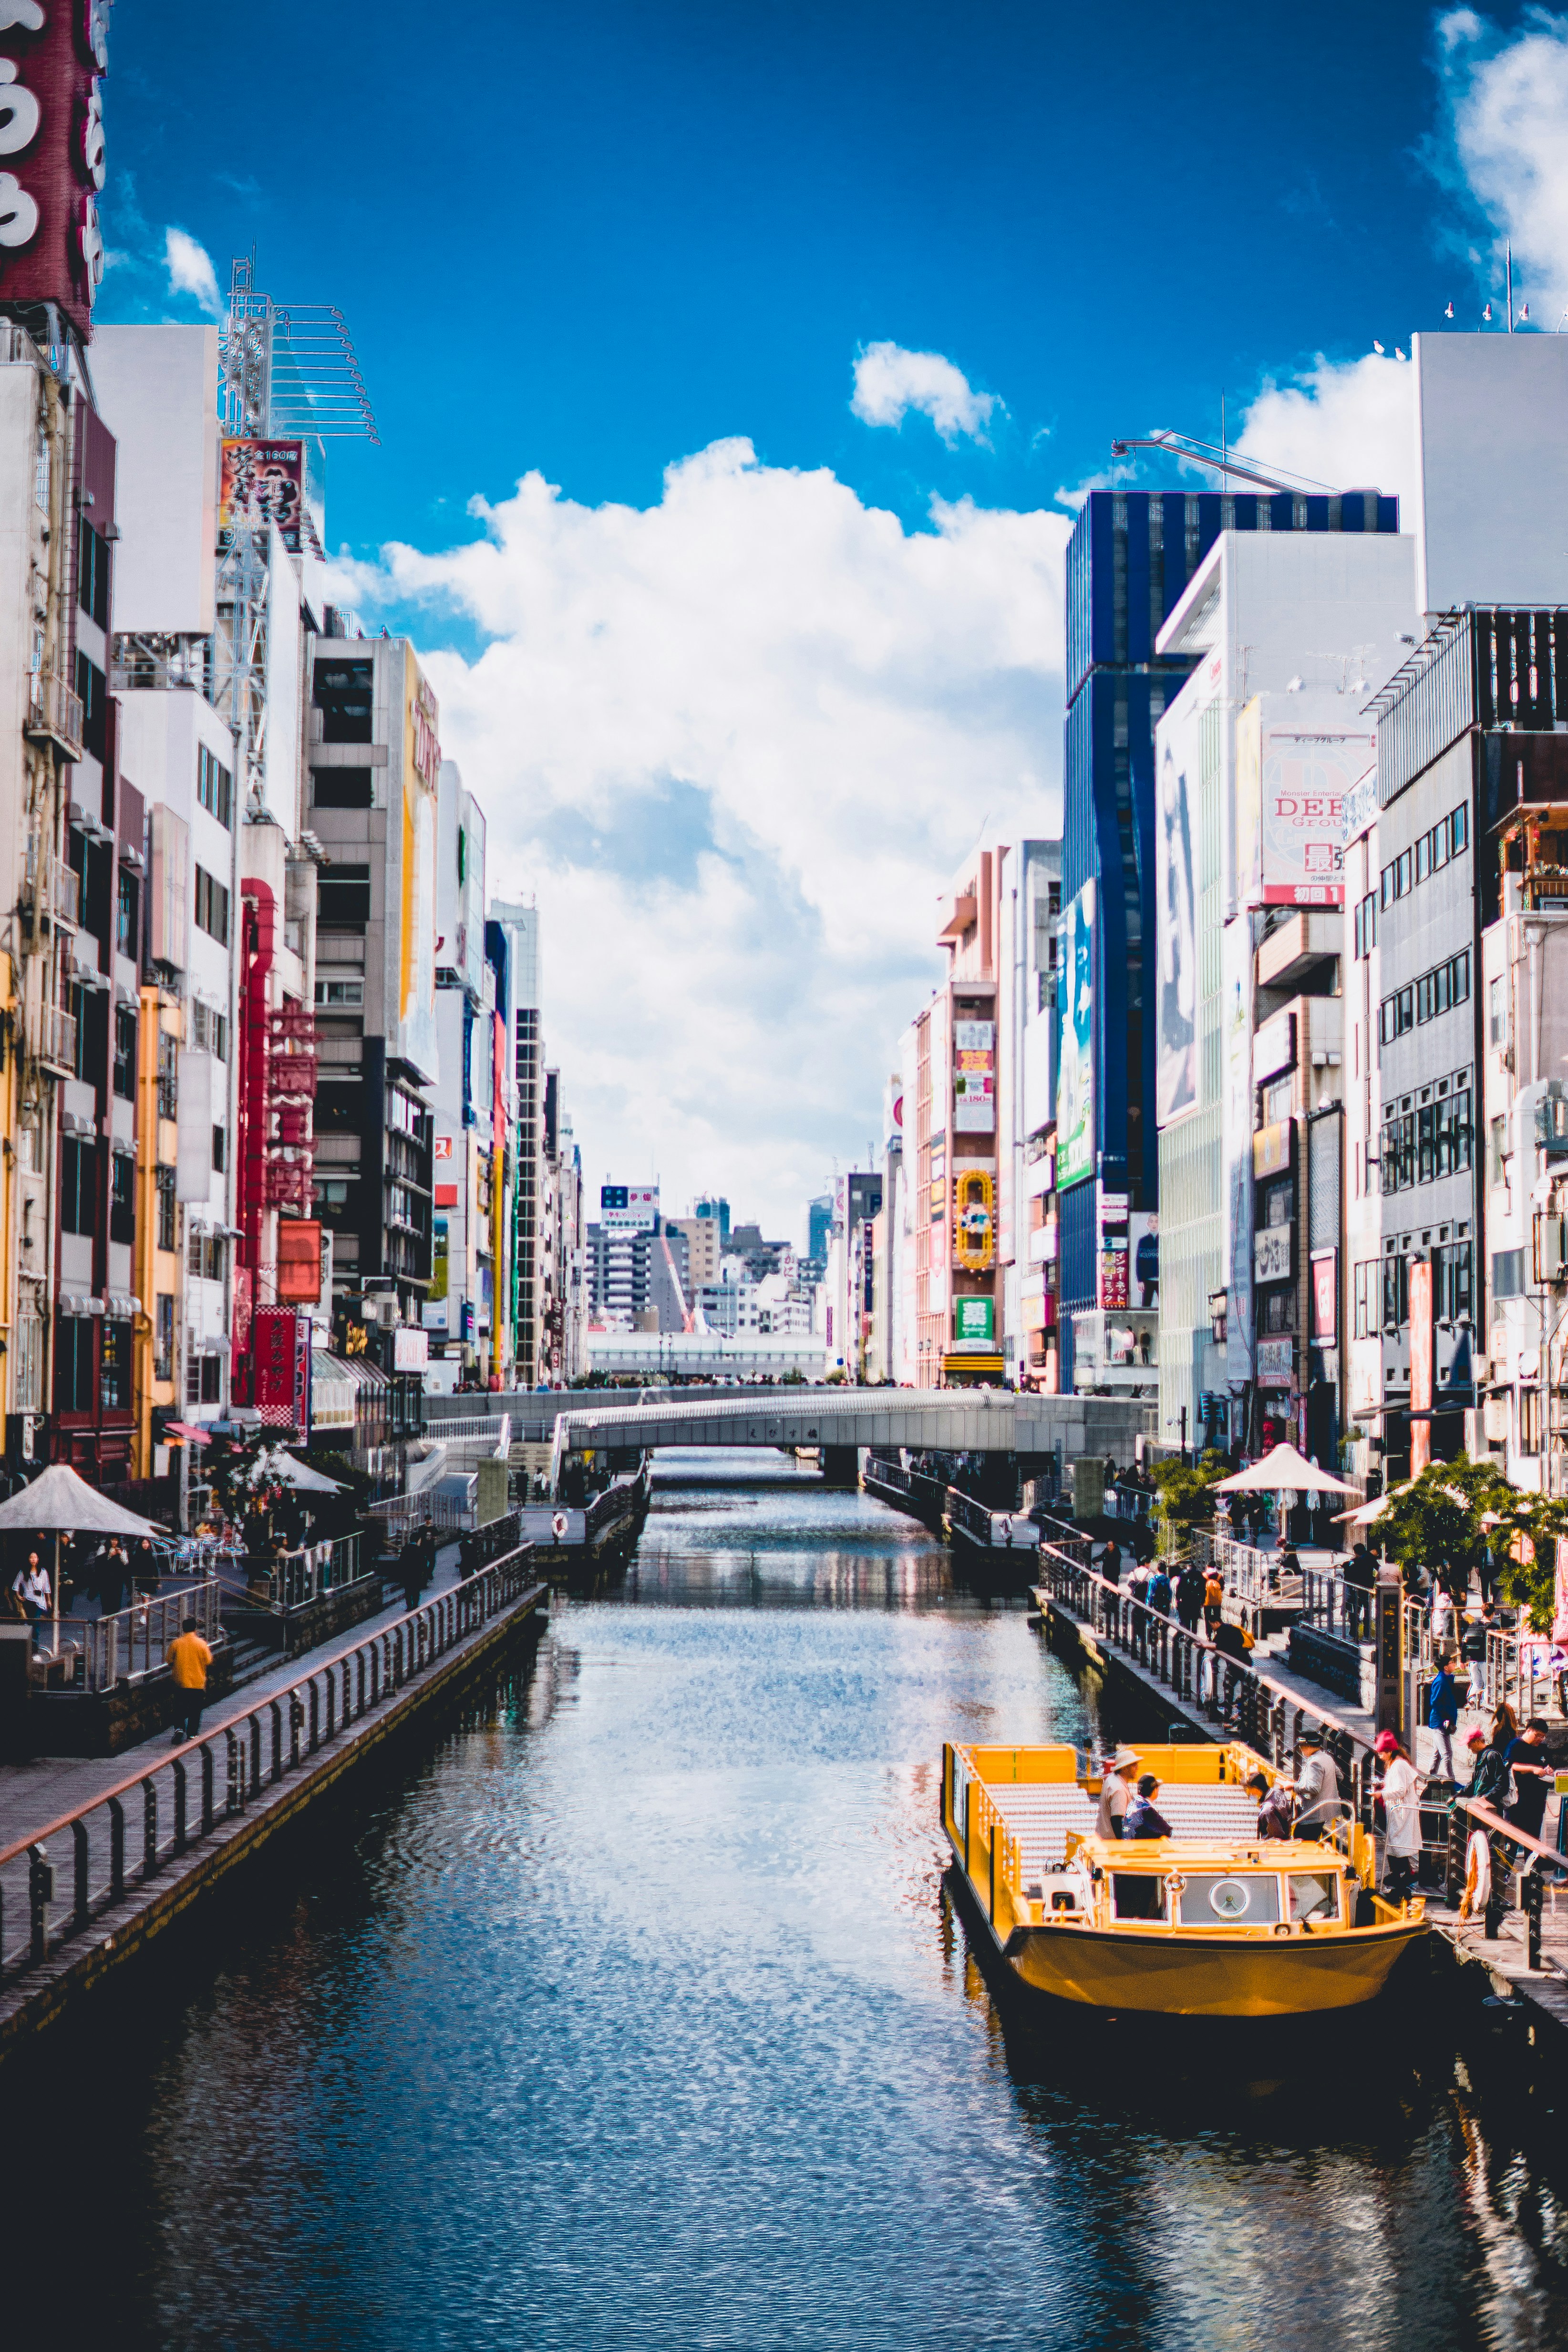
[(1220, 1975)]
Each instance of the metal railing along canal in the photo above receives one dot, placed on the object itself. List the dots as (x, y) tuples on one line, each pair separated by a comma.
[(129, 1835)]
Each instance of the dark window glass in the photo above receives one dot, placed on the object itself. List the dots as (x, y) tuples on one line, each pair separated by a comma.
[(214, 786), (343, 788), (78, 1185), (92, 688), (1460, 829), (219, 1142), (167, 1209), (1402, 882), (74, 1366), (1460, 969), (344, 696), (122, 1197), (1425, 1144), (125, 1053), (92, 572), (1424, 858), (212, 906), (343, 906)]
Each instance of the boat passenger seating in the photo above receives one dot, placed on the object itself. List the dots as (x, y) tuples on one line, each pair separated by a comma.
[(1040, 1816)]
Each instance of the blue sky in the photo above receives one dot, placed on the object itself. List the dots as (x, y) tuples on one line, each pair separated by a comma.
[(740, 648), (591, 240)]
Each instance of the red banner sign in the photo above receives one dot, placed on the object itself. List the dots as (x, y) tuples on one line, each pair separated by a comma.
[(51, 154), (1421, 1367)]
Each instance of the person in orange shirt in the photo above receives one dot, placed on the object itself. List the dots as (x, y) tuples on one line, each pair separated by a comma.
[(189, 1658)]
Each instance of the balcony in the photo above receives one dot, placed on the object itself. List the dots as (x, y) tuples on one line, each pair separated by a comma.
[(54, 714), (956, 916), (52, 887), (1299, 948), (56, 1045)]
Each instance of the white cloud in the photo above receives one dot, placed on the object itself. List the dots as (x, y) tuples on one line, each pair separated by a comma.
[(736, 741), (190, 270), (1349, 424), (889, 382), (1507, 107)]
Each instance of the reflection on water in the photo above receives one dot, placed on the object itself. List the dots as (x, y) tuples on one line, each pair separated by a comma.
[(641, 2015)]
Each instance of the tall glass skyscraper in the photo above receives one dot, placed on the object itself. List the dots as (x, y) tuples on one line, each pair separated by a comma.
[(1129, 561)]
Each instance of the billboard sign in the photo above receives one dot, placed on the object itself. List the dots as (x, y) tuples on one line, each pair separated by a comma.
[(975, 1320), (1276, 1358), (1306, 776), (421, 768), (1325, 1297), (1177, 926), (262, 482), (52, 53), (280, 1352), (1272, 1253), (1236, 979), (1075, 1084), (974, 1077), (1248, 891)]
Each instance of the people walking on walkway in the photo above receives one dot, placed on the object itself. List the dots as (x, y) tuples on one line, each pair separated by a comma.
[(1189, 1595), (1111, 1562), (1473, 1651), (1526, 1759), (32, 1588), (1116, 1793), (189, 1658), (1402, 1813), (1319, 1802), (1443, 1718), (1214, 1602), (1360, 1577), (1160, 1590)]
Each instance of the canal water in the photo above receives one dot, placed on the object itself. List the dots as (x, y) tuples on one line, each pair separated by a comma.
[(639, 2015)]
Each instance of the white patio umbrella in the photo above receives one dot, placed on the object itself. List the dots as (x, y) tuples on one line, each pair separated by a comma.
[(1284, 1471), (59, 1502), (289, 1472)]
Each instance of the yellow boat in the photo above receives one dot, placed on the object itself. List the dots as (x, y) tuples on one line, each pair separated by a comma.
[(1213, 1921)]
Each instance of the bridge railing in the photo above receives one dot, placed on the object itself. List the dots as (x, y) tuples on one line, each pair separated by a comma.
[(1262, 1712), (129, 1835)]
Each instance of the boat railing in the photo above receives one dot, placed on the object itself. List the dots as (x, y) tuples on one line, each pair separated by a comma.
[(1265, 1714)]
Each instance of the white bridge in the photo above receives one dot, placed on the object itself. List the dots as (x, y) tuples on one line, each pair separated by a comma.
[(944, 1420)]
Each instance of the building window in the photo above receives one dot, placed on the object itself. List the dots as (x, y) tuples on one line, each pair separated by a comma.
[(73, 1363), (344, 695), (212, 906), (342, 903), (167, 1220), (206, 1254), (125, 1053), (1528, 1422), (214, 787), (220, 1142), (122, 1197), (339, 992), (92, 572), (343, 788), (127, 931), (1497, 1014), (115, 1367), (168, 1075), (1452, 1284), (1458, 831), (163, 1338), (1396, 1292), (1366, 925), (1368, 1281), (209, 1030), (1508, 1274), (204, 1379), (92, 687), (79, 1186)]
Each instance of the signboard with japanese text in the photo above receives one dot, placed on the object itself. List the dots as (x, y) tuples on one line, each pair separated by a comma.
[(1422, 1337), (262, 482), (1276, 1361), (52, 53), (1325, 1297), (974, 1077), (280, 1353), (1272, 1253), (974, 1319), (1306, 776)]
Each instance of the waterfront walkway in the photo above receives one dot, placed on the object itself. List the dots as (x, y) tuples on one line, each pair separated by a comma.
[(132, 1841), (42, 1787)]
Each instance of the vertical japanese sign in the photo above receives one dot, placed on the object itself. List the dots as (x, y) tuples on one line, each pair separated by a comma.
[(262, 482), (1421, 1346), (52, 54), (1075, 1084), (974, 1077), (421, 769), (1177, 926)]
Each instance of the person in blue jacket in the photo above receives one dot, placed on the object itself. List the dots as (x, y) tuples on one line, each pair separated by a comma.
[(1442, 1716)]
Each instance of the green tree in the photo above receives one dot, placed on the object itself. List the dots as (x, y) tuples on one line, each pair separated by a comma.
[(1455, 1511), (1186, 1491)]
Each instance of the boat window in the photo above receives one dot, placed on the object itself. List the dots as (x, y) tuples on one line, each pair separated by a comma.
[(1140, 1895), (1233, 1900), (1314, 1894)]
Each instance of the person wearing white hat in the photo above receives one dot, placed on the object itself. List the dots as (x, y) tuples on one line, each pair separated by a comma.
[(1116, 1792)]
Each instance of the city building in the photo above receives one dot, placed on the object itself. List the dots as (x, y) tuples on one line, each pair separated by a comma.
[(519, 926), (1289, 634), (464, 1307), (1129, 562)]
